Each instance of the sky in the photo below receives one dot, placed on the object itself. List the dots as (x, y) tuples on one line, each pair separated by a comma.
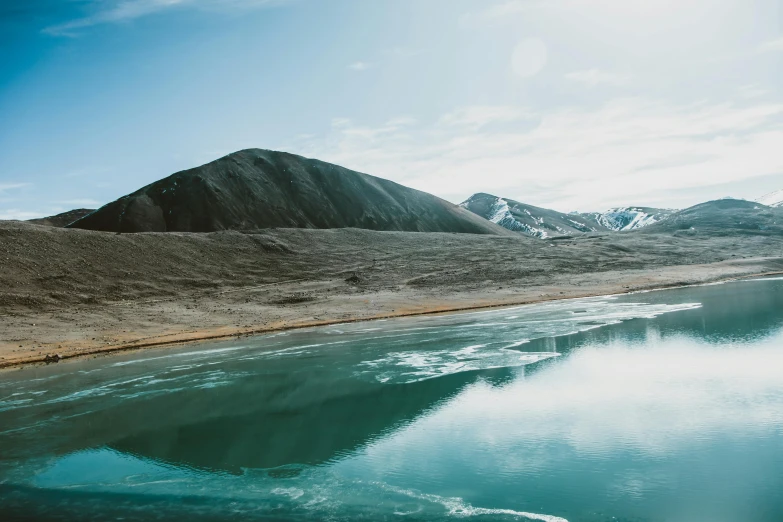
[(566, 104)]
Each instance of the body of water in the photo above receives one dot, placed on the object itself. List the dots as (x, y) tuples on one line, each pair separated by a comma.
[(651, 407)]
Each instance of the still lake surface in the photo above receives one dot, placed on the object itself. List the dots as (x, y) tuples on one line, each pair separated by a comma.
[(659, 406)]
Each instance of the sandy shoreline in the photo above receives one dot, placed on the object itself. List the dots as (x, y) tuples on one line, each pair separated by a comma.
[(704, 274)]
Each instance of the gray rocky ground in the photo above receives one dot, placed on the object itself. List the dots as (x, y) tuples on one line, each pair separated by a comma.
[(71, 292)]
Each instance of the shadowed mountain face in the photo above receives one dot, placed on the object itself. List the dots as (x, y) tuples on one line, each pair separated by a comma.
[(530, 220), (62, 220), (724, 217), (255, 188)]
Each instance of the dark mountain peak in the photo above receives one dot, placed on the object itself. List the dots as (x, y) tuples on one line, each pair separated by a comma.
[(257, 188)]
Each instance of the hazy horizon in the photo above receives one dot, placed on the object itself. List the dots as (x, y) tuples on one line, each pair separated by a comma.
[(565, 104)]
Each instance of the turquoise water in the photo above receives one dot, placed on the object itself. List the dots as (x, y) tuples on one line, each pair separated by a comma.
[(660, 406)]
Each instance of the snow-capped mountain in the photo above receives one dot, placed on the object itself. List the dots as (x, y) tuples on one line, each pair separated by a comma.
[(527, 219), (543, 223), (629, 218), (773, 199)]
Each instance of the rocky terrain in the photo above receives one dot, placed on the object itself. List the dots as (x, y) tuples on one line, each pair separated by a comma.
[(67, 292), (258, 189)]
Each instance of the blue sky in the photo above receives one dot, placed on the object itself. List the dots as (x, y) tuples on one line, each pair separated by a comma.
[(568, 104)]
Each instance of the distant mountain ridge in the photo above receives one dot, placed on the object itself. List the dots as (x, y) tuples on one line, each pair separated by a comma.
[(254, 188), (629, 218), (529, 220), (63, 219), (723, 217)]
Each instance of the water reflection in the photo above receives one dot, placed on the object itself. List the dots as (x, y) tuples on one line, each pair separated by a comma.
[(336, 422), (656, 406)]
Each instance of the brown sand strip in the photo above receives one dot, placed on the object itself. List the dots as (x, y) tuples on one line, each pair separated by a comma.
[(204, 336)]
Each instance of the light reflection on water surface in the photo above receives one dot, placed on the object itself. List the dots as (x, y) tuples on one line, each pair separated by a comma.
[(662, 406)]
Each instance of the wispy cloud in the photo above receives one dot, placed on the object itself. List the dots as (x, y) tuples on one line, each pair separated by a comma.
[(118, 11), (360, 66), (17, 214), (594, 77), (477, 116), (500, 11), (403, 52), (752, 91), (628, 151), (772, 46), (11, 186)]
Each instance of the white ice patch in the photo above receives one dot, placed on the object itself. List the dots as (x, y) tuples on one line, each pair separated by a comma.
[(773, 199), (457, 507), (414, 366)]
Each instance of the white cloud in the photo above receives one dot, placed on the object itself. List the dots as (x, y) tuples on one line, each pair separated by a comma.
[(772, 46), (403, 52), (477, 116), (20, 215), (752, 91), (509, 11), (117, 11), (594, 77), (359, 66), (627, 151), (504, 9), (11, 186), (499, 12), (529, 57)]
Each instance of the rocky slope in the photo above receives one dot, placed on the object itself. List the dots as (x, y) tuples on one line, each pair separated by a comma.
[(257, 189), (529, 220)]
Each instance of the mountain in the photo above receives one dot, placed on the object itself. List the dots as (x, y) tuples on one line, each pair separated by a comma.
[(527, 219), (254, 188), (63, 219), (773, 199), (629, 218), (724, 217)]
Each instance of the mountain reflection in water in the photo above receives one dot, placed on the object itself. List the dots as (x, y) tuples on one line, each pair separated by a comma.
[(654, 406)]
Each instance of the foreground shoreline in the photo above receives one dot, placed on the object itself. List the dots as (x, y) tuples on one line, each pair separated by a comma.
[(423, 308)]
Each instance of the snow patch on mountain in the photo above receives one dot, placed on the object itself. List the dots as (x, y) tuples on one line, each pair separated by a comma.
[(500, 214), (581, 226), (530, 220), (773, 199), (628, 218)]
